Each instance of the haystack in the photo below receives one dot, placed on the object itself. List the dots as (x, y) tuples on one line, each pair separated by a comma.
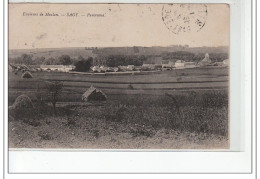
[(22, 102), (94, 94), (27, 74)]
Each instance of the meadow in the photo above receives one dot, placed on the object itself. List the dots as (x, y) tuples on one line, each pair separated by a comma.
[(177, 109)]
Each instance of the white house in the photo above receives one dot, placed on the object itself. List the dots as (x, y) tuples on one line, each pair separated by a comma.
[(179, 64), (130, 67), (183, 64), (96, 69), (60, 68)]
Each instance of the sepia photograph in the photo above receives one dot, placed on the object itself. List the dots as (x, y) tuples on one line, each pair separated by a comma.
[(118, 76)]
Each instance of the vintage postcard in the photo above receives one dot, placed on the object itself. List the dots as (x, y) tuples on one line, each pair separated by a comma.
[(118, 76)]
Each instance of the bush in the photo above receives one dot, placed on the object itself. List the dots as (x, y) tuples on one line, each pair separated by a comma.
[(214, 99), (142, 131), (32, 122), (130, 86), (44, 135), (115, 113)]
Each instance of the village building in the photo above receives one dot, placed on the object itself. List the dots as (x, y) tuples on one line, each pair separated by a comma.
[(168, 65), (59, 68), (179, 64), (226, 62), (183, 64), (103, 69), (206, 61), (122, 68), (146, 67), (130, 67)]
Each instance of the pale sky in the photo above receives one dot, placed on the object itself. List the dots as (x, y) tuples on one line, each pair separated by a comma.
[(122, 25)]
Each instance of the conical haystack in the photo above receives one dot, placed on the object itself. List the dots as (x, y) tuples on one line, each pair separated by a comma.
[(94, 94), (27, 74), (22, 102)]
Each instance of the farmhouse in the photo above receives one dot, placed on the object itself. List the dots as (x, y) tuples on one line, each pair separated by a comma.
[(168, 65), (60, 68), (95, 69), (122, 68), (130, 67), (148, 67), (183, 64), (179, 64)]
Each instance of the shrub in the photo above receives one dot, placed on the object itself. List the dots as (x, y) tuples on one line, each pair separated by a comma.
[(44, 135), (71, 121), (141, 131), (115, 113), (214, 99), (31, 122), (27, 74), (130, 86)]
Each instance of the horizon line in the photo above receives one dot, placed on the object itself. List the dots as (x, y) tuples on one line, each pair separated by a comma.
[(117, 47)]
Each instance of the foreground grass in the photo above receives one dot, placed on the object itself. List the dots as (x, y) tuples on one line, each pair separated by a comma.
[(191, 121)]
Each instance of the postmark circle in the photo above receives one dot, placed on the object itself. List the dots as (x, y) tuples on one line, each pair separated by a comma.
[(181, 18)]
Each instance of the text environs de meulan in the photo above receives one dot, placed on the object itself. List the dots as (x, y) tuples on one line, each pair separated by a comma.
[(69, 14)]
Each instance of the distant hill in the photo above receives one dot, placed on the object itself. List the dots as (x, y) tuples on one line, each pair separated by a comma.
[(53, 52), (157, 51), (93, 52)]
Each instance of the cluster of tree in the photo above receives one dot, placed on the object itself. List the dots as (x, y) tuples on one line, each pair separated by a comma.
[(188, 56), (83, 64), (29, 60), (120, 60), (23, 59)]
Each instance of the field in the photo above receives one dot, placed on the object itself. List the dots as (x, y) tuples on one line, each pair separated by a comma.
[(179, 109)]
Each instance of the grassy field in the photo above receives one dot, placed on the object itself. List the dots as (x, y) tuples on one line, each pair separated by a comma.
[(181, 109), (75, 85)]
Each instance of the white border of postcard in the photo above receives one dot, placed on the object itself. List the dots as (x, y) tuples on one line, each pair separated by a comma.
[(236, 160)]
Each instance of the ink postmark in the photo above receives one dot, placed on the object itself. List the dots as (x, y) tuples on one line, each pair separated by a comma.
[(181, 18)]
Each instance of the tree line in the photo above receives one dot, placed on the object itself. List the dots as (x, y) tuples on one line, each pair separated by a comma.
[(192, 57), (29, 60), (83, 64)]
